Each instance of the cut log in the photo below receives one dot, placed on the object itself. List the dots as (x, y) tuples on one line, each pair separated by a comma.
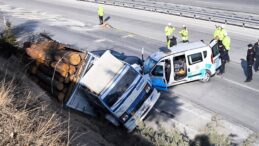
[(61, 67), (49, 72), (37, 54), (72, 70), (34, 69), (68, 57), (58, 95), (48, 80)]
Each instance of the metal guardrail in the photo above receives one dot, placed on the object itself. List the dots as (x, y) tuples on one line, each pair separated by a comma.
[(213, 15)]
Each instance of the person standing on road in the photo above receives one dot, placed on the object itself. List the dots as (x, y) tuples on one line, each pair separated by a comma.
[(184, 34), (216, 32), (221, 33), (256, 47), (250, 61), (169, 29), (100, 13), (226, 43), (223, 57)]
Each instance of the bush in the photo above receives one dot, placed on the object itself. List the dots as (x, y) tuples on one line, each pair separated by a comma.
[(8, 41)]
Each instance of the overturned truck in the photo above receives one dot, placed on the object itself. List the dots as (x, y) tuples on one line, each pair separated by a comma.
[(95, 85)]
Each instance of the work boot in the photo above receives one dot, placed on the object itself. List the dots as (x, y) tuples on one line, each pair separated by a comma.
[(247, 80)]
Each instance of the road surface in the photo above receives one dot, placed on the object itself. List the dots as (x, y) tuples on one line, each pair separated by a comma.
[(77, 24)]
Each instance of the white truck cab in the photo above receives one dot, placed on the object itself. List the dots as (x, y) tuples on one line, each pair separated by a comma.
[(116, 90), (182, 63)]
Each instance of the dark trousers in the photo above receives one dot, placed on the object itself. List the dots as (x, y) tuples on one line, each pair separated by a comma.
[(101, 20), (256, 62), (227, 56), (249, 72), (222, 67), (185, 41)]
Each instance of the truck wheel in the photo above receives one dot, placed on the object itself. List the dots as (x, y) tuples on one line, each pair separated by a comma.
[(206, 77), (112, 120)]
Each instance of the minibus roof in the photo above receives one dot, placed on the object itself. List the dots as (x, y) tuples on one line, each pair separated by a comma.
[(104, 70), (182, 47)]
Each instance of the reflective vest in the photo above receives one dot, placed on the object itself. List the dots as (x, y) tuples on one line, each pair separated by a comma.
[(226, 42), (100, 11), (222, 33), (169, 30), (184, 34), (216, 33)]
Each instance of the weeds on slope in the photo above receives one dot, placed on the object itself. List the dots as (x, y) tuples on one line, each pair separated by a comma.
[(25, 120)]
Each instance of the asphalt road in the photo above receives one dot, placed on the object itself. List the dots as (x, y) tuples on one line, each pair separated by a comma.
[(76, 24)]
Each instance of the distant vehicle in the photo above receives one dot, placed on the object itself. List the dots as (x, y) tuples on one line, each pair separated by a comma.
[(121, 56), (114, 89), (182, 63)]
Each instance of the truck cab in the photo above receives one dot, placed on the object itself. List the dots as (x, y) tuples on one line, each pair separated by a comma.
[(114, 89), (182, 63)]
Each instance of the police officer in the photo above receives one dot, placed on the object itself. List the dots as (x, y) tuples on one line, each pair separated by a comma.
[(221, 33), (226, 43), (256, 47), (169, 29), (184, 34), (100, 13), (216, 32), (223, 58), (250, 61)]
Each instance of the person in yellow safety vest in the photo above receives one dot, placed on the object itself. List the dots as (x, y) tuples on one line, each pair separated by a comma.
[(216, 32), (226, 43), (169, 29), (222, 32), (100, 13), (184, 34)]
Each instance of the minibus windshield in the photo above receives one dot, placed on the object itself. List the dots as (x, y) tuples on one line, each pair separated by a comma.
[(149, 64)]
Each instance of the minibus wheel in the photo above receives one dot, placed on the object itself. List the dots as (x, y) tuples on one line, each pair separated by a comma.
[(206, 76)]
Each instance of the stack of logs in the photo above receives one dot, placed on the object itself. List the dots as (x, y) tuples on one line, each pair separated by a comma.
[(55, 67)]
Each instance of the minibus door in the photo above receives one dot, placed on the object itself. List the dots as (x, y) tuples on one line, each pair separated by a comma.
[(157, 76), (215, 54)]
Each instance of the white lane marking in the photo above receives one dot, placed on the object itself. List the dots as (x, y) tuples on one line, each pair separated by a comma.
[(100, 40), (239, 84), (128, 36)]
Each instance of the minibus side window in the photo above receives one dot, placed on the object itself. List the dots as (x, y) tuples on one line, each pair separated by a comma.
[(205, 54), (158, 71), (195, 58)]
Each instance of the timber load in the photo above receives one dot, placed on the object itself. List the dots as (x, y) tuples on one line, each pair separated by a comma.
[(54, 66)]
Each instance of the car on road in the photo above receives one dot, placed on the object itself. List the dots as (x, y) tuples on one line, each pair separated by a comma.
[(182, 63)]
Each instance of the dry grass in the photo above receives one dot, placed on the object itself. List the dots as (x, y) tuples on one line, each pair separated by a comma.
[(25, 120)]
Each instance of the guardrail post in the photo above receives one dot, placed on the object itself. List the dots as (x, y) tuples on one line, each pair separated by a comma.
[(194, 16), (209, 18), (226, 22), (243, 24)]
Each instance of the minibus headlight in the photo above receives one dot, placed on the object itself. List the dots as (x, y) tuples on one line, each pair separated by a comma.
[(125, 117), (147, 88)]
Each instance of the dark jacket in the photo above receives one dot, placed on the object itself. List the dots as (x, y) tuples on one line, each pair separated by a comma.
[(222, 51), (250, 56), (256, 47)]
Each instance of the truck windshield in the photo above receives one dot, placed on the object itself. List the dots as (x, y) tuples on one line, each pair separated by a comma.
[(121, 87), (149, 64)]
